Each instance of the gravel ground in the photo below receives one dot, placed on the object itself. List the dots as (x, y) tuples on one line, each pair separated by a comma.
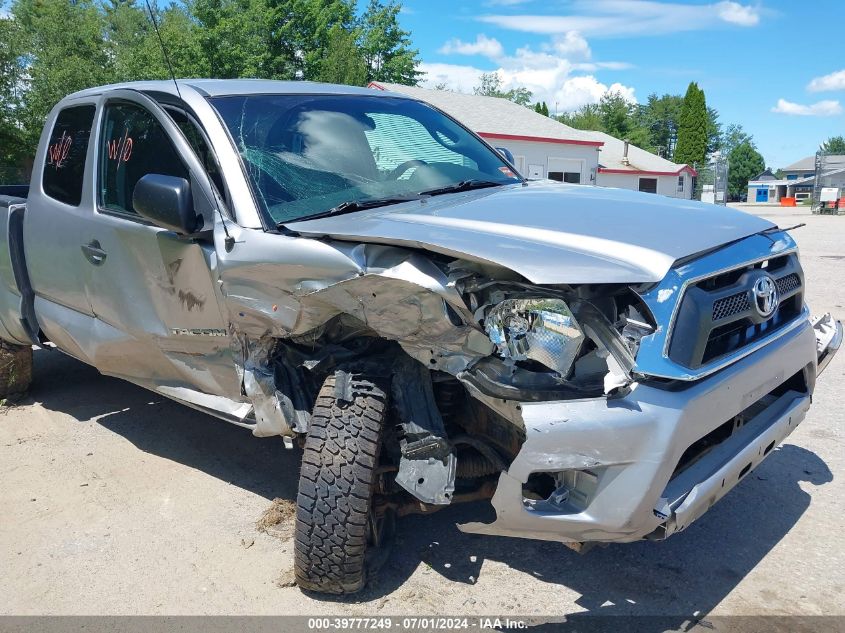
[(116, 501)]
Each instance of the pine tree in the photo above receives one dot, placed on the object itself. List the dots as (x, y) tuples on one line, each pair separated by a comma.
[(343, 63), (691, 147)]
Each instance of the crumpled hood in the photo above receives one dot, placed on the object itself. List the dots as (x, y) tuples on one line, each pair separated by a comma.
[(552, 233)]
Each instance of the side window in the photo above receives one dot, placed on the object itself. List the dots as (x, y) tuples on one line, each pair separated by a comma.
[(132, 145), (198, 144), (64, 166)]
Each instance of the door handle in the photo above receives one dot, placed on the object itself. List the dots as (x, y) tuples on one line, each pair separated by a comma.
[(93, 253)]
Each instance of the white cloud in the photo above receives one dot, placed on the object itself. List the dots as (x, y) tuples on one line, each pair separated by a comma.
[(821, 108), (557, 73), (578, 91), (593, 66), (457, 77), (833, 81), (549, 79), (615, 18), (736, 13), (483, 45), (571, 45)]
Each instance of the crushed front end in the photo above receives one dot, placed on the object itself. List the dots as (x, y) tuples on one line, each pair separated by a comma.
[(706, 374), (585, 412)]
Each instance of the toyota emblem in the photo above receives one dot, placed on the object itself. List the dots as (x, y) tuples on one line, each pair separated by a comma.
[(766, 298)]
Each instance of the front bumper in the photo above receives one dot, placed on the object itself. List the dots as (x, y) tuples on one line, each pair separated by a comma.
[(629, 448)]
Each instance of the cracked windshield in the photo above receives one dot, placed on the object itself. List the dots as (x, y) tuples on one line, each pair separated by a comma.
[(311, 155)]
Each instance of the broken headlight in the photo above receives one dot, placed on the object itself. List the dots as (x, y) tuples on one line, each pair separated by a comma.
[(542, 330)]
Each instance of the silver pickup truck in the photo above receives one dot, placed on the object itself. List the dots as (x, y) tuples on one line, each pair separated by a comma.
[(356, 272)]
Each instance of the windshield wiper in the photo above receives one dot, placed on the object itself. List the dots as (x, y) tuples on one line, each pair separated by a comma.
[(464, 185), (357, 205)]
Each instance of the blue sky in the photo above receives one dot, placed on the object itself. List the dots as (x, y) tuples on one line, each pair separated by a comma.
[(764, 65)]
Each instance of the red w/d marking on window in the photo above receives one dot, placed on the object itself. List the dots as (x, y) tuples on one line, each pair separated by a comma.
[(120, 149), (58, 151)]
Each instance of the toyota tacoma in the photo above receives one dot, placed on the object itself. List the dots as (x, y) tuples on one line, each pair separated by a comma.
[(356, 272)]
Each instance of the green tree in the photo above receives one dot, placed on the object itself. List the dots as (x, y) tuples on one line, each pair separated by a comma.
[(660, 116), (617, 115), (588, 117), (744, 163), (344, 62), (11, 75), (714, 130), (833, 145), (733, 137), (691, 147), (127, 29), (387, 49), (240, 38), (490, 85), (544, 110), (134, 48), (64, 53), (50, 48)]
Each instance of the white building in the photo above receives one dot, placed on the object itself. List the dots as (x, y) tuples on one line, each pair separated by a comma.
[(545, 148), (798, 181), (626, 166), (541, 147)]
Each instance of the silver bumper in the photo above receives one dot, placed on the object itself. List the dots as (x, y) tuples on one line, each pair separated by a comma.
[(630, 447)]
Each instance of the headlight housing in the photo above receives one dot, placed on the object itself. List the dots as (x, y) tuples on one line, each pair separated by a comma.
[(538, 329)]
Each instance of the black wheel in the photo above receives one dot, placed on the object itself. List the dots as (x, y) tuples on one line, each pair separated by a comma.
[(335, 519)]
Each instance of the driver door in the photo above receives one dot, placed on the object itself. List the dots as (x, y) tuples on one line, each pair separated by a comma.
[(153, 292)]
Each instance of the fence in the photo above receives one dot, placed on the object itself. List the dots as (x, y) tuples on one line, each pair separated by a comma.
[(829, 183), (711, 184)]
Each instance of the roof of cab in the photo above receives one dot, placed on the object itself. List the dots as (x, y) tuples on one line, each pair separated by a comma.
[(228, 87)]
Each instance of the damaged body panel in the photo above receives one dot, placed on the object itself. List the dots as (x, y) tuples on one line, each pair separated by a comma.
[(602, 365)]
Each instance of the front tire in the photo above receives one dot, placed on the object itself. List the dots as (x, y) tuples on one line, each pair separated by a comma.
[(334, 516)]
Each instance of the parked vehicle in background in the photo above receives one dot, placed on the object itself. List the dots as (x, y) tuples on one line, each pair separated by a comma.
[(356, 271)]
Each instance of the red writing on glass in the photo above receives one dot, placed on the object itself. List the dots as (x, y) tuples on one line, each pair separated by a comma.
[(120, 149), (58, 151)]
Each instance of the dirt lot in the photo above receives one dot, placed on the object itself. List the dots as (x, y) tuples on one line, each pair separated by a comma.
[(117, 501)]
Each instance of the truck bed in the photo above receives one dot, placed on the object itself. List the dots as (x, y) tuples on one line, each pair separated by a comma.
[(14, 191)]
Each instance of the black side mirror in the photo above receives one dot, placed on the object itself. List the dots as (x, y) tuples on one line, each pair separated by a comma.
[(506, 154), (167, 202)]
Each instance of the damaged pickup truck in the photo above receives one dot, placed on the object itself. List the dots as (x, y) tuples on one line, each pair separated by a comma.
[(356, 272)]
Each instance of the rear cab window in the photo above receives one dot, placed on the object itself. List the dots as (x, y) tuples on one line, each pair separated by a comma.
[(64, 165)]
